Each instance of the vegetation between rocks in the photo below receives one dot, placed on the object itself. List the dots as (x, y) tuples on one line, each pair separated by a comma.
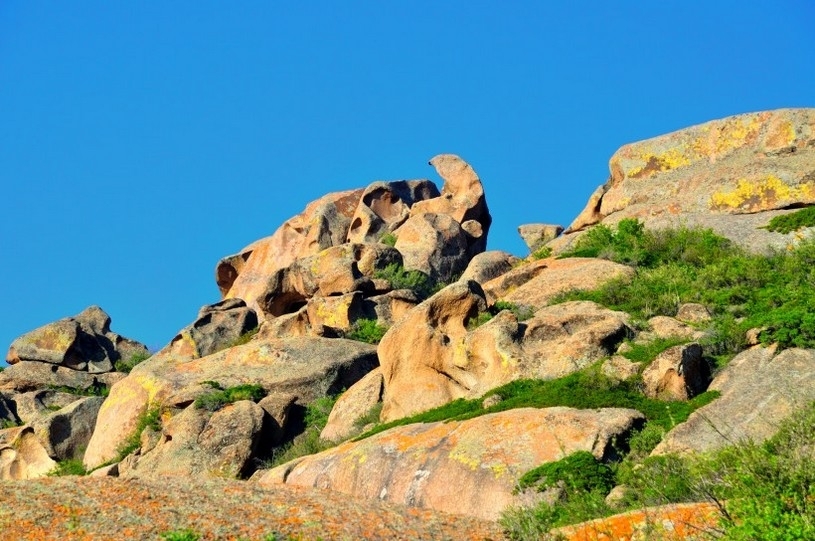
[(71, 466), (309, 441), (367, 330), (151, 418), (787, 223), (522, 313), (415, 280), (126, 365), (220, 397)]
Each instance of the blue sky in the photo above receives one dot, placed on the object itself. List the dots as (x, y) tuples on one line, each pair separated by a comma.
[(142, 141)]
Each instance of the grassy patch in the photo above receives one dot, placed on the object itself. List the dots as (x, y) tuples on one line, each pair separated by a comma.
[(648, 351), (388, 239), (181, 535), (367, 330), (71, 466), (794, 221), (242, 339), (309, 442), (126, 365), (522, 313), (97, 389), (9, 423), (415, 280), (151, 418), (542, 253), (577, 471), (220, 397)]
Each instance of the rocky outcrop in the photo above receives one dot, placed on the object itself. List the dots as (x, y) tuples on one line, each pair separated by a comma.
[(385, 206), (306, 367), (537, 235), (536, 283), (431, 357), (434, 244), (678, 373), (65, 433), (759, 389), (22, 456), (27, 376), (487, 266), (353, 405), (216, 326), (465, 467), (712, 175), (83, 342)]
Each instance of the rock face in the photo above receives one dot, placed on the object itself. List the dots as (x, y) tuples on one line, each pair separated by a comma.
[(468, 467), (712, 175), (537, 235), (217, 326), (678, 373), (352, 406), (306, 367), (22, 456), (759, 389), (65, 433), (84, 342), (385, 206), (430, 357)]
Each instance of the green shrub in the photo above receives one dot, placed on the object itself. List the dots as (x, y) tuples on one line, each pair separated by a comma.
[(9, 423), (151, 418), (71, 466), (220, 397), (388, 239), (367, 330), (787, 223), (309, 442), (542, 253), (644, 441), (97, 389), (399, 278), (577, 471), (181, 535), (648, 351), (126, 365)]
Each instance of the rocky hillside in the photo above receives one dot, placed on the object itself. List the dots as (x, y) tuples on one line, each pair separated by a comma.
[(373, 347)]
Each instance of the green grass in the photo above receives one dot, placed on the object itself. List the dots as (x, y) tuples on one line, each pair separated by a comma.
[(151, 418), (648, 351), (9, 423), (542, 253), (522, 313), (794, 221), (181, 535), (577, 471), (367, 330), (220, 397), (126, 365), (415, 280), (99, 389), (309, 442), (71, 466), (388, 239)]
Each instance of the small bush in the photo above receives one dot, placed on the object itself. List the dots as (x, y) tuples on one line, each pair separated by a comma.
[(9, 423), (220, 397), (367, 330), (151, 418), (399, 278), (578, 471), (794, 221), (542, 253), (96, 389), (181, 535), (647, 352), (388, 239), (126, 365), (71, 466)]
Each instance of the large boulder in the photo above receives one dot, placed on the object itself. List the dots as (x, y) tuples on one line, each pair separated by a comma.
[(465, 467), (489, 265), (26, 376), (83, 342), (678, 373), (731, 175), (22, 455), (537, 235), (385, 206), (216, 326), (323, 223), (353, 405), (307, 367), (65, 433), (759, 390), (434, 244), (433, 355)]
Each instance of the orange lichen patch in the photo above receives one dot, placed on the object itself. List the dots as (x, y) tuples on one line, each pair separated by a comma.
[(758, 195), (669, 523)]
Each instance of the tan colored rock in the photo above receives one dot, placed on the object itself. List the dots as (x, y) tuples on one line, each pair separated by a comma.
[(678, 373), (217, 327), (692, 312), (487, 266), (434, 244), (353, 405), (430, 357), (536, 283), (306, 367), (759, 390), (463, 467), (26, 376), (668, 327), (385, 206), (278, 406), (65, 433), (22, 456), (337, 312), (740, 165), (537, 235), (323, 223), (462, 198), (619, 368), (390, 307)]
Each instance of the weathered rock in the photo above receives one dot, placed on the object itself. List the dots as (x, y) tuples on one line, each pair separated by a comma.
[(674, 522), (759, 390), (83, 342), (487, 266), (678, 373), (353, 405), (538, 282), (434, 244), (691, 312), (216, 327), (619, 368), (28, 376), (740, 165), (32, 405), (384, 206), (537, 235), (334, 271), (323, 223), (278, 407), (389, 308), (8, 411), (306, 367), (65, 433), (430, 357), (462, 198), (464, 467), (22, 456), (199, 443), (668, 327), (337, 312)]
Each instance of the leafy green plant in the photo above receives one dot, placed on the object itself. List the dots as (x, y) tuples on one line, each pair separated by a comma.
[(646, 352), (220, 397), (71, 466), (126, 365), (388, 239), (367, 330), (96, 389), (399, 278), (577, 471), (787, 223), (542, 253)]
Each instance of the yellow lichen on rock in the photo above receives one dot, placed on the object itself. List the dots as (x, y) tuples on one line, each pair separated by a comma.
[(653, 163), (754, 196)]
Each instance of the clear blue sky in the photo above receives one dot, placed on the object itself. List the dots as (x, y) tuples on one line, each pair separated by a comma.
[(142, 141)]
